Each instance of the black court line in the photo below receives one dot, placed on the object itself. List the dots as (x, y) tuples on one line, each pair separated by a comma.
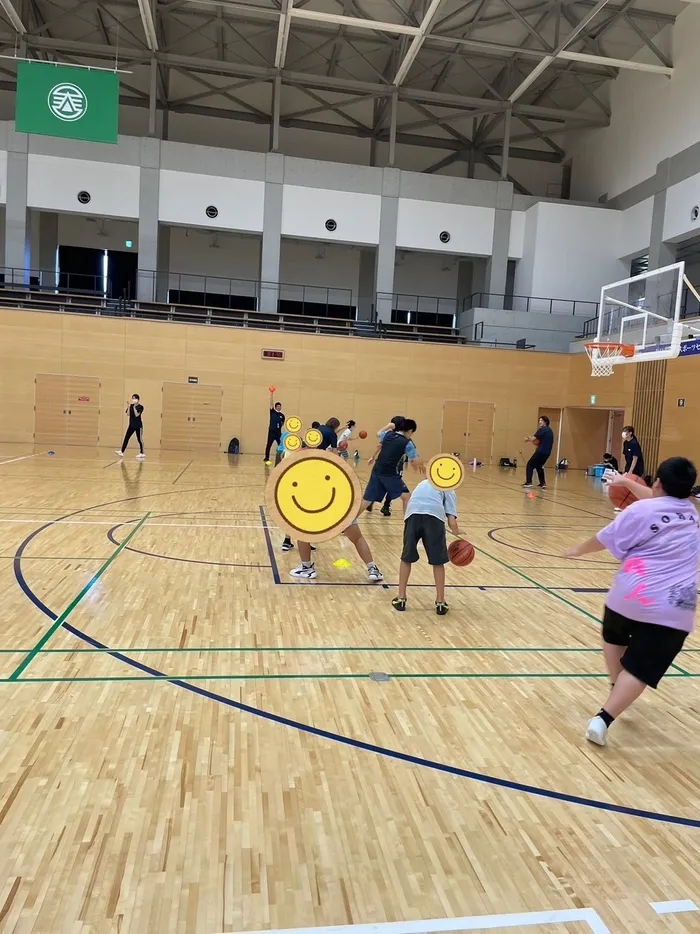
[(326, 734), (153, 554)]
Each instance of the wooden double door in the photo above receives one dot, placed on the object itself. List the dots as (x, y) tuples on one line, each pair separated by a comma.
[(66, 409), (191, 417), (467, 430)]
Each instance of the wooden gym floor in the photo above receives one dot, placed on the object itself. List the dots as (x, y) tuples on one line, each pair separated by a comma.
[(198, 747)]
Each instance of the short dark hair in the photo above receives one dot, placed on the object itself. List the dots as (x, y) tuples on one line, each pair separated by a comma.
[(408, 425), (607, 456), (677, 476), (397, 422), (545, 419), (135, 395), (629, 428), (315, 424), (278, 405), (333, 423), (351, 424)]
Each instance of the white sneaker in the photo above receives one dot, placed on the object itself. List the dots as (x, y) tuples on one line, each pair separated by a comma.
[(140, 457), (307, 573), (617, 509), (120, 453), (596, 731), (374, 574)]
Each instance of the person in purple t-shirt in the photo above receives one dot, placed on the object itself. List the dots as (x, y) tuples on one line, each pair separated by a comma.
[(650, 608)]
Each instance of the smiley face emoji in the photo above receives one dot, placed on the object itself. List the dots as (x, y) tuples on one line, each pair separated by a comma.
[(313, 438), (293, 424), (291, 443), (445, 472), (313, 495)]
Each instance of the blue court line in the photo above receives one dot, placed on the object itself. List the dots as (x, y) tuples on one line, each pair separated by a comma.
[(533, 790), (270, 550)]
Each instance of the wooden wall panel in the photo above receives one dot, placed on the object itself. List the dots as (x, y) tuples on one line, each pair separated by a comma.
[(647, 414), (584, 435), (679, 429), (368, 380)]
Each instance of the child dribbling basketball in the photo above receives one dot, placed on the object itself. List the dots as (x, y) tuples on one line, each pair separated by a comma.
[(426, 513), (650, 608)]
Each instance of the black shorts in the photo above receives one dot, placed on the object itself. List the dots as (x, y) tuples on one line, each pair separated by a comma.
[(427, 529), (651, 648)]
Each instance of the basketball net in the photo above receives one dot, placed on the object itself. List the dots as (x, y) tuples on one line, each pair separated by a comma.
[(603, 356)]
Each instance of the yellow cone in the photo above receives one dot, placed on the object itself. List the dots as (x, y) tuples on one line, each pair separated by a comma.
[(342, 563)]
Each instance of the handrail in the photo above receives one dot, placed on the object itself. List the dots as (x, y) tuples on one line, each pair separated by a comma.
[(23, 296), (497, 301)]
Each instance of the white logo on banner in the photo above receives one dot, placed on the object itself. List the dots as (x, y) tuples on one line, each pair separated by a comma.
[(67, 102)]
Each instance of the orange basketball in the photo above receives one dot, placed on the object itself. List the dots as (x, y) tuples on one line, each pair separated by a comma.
[(363, 435), (461, 553), (621, 497)]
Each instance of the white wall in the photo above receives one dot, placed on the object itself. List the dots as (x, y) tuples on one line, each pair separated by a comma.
[(216, 255), (680, 201), (321, 265), (635, 229), (306, 210), (429, 274), (570, 252), (420, 223), (653, 117), (185, 196), (53, 184)]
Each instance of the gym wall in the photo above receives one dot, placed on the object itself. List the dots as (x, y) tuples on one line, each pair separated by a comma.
[(321, 376)]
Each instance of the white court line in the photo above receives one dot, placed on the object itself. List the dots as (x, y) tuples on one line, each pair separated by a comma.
[(674, 908), (13, 460), (588, 916)]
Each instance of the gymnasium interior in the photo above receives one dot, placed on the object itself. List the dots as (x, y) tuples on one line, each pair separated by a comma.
[(479, 215)]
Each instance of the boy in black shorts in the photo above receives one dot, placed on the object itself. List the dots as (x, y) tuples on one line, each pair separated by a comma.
[(424, 521), (385, 478), (650, 608)]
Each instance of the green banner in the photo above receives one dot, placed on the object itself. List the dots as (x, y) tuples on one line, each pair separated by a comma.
[(75, 103)]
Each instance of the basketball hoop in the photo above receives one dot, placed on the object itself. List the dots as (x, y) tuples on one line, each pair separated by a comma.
[(603, 356)]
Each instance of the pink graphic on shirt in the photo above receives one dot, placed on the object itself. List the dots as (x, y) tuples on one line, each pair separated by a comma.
[(635, 566), (638, 595)]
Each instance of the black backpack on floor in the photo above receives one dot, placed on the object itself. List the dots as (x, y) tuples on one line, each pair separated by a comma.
[(234, 446)]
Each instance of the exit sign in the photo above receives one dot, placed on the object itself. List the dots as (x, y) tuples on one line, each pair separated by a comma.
[(192, 379), (592, 400)]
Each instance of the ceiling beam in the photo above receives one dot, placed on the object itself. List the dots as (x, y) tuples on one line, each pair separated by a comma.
[(355, 21), (415, 46), (13, 17), (283, 33), (547, 61), (149, 24)]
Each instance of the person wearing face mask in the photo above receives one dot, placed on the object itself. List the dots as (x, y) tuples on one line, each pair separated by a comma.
[(632, 451), (134, 410)]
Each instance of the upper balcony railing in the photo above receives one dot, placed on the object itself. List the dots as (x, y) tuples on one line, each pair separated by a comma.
[(529, 303)]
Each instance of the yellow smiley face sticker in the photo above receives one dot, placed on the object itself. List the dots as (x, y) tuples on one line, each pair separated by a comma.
[(292, 443), (313, 438), (292, 424), (445, 472), (313, 495)]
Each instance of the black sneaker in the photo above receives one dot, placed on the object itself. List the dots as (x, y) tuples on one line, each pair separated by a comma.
[(399, 603), (369, 508), (287, 545), (441, 609), (385, 511), (527, 486), (542, 486)]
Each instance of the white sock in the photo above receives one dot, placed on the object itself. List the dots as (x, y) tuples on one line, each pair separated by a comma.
[(307, 564)]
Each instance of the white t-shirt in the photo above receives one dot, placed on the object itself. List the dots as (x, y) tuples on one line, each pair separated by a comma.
[(345, 435)]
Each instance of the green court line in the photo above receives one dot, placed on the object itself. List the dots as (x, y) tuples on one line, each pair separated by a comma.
[(72, 605), (181, 473), (557, 596), (364, 676)]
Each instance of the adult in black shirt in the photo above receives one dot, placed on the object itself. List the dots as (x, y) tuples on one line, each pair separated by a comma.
[(274, 431), (632, 451), (543, 438), (385, 478), (134, 410)]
